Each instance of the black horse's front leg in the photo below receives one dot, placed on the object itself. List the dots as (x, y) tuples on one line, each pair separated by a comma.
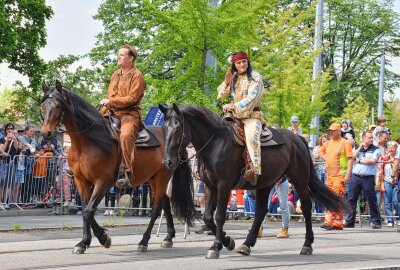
[(261, 211), (167, 242), (220, 236), (157, 205)]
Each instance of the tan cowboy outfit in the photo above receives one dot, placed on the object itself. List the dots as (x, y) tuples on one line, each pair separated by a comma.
[(125, 93), (246, 95)]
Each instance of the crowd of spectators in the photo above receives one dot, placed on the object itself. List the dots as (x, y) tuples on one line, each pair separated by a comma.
[(34, 173)]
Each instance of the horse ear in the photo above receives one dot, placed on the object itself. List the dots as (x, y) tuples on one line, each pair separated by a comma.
[(45, 88), (163, 108), (176, 109), (59, 86)]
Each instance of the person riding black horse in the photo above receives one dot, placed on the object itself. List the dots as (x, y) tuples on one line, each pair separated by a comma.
[(245, 87), (125, 93)]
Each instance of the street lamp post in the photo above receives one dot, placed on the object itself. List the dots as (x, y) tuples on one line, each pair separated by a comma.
[(381, 84), (317, 68)]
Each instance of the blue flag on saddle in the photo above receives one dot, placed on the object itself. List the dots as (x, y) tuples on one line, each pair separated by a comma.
[(154, 118)]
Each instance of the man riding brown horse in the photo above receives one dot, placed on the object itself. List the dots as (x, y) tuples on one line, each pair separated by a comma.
[(125, 93)]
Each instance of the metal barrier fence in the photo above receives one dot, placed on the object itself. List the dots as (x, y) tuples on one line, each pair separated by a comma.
[(41, 181)]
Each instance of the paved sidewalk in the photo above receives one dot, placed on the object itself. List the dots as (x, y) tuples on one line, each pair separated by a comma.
[(43, 221)]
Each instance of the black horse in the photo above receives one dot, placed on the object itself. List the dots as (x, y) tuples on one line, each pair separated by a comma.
[(220, 164)]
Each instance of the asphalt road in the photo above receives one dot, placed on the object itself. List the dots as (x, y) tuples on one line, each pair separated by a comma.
[(359, 248)]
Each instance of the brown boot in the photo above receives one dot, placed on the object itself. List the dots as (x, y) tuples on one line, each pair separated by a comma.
[(125, 180), (251, 176), (284, 233)]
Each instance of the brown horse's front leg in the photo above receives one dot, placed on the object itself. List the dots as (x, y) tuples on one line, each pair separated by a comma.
[(84, 193)]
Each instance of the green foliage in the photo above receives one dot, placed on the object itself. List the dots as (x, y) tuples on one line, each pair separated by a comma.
[(22, 34), (358, 112), (5, 103), (392, 113), (174, 38), (25, 101), (355, 32), (286, 61)]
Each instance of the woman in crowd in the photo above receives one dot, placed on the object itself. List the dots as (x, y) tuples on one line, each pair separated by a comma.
[(9, 148), (390, 184)]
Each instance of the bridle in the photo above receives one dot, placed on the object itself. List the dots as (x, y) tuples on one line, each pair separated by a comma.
[(61, 121), (180, 160)]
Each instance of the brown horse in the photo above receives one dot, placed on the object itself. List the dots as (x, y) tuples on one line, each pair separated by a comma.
[(93, 158)]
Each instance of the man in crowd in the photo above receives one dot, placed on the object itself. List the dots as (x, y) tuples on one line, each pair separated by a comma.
[(294, 121), (28, 147), (124, 96), (338, 155), (395, 168), (363, 177)]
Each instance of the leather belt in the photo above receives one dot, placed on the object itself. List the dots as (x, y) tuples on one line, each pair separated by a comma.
[(130, 108), (363, 176)]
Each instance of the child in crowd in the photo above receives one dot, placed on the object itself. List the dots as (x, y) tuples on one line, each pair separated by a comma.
[(19, 179), (380, 126), (63, 178), (347, 129), (39, 172)]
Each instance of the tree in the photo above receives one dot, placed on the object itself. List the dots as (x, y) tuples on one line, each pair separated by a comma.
[(355, 33), (392, 113), (22, 34), (286, 61), (5, 98), (25, 102), (174, 38)]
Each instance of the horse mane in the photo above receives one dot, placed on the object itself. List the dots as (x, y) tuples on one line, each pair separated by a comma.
[(90, 122), (208, 117)]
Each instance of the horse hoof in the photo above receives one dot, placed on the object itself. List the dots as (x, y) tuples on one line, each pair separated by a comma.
[(107, 244), (212, 254), (79, 250), (306, 251), (244, 250), (166, 244), (141, 248), (231, 245)]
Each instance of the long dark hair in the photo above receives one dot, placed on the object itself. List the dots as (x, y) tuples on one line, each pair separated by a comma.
[(234, 69)]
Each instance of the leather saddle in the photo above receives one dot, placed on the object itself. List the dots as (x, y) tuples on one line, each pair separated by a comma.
[(144, 138), (266, 139)]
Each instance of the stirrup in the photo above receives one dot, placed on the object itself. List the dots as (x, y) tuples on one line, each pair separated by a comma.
[(124, 182), (69, 173)]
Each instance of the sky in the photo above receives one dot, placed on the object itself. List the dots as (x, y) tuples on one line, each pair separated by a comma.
[(72, 30)]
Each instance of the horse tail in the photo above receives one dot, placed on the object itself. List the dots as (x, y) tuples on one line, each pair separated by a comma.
[(182, 194), (320, 193)]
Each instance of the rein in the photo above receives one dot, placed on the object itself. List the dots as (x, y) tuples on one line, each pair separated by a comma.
[(61, 121), (180, 160)]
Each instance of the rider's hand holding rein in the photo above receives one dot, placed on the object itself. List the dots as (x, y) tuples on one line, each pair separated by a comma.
[(105, 101)]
